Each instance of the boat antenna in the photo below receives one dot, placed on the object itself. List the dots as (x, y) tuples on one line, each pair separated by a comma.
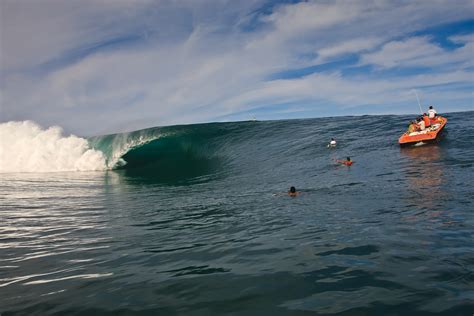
[(419, 104)]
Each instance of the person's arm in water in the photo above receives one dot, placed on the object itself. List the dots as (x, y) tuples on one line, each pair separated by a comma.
[(347, 162), (291, 192)]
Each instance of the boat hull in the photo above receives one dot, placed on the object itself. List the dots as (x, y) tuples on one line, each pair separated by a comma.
[(428, 135)]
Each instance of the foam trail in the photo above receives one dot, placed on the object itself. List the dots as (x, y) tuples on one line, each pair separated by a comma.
[(26, 147)]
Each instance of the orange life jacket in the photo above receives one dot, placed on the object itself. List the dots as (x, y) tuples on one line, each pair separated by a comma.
[(426, 119)]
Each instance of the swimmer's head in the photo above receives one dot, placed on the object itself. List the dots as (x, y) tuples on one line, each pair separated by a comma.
[(348, 158), (292, 190)]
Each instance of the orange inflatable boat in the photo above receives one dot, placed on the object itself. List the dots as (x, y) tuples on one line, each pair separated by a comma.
[(429, 134)]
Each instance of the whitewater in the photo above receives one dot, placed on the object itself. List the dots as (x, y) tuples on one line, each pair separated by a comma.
[(26, 147), (196, 220)]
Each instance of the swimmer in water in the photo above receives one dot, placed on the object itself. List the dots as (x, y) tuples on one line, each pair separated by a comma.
[(347, 162), (332, 143), (292, 192)]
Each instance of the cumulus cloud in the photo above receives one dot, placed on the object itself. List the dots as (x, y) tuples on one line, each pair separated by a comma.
[(99, 66), (463, 39), (421, 52), (411, 52), (348, 47)]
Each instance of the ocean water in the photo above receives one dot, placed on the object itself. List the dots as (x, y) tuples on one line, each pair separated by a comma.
[(194, 220)]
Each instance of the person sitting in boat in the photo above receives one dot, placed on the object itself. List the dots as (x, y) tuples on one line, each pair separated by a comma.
[(426, 119), (420, 123), (412, 127), (432, 112), (347, 162)]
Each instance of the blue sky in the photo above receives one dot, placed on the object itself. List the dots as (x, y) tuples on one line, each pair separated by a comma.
[(101, 66)]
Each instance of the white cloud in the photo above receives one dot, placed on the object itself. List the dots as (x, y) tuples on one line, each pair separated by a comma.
[(348, 47), (310, 16), (410, 52), (35, 32), (347, 92), (421, 52), (194, 62), (462, 39)]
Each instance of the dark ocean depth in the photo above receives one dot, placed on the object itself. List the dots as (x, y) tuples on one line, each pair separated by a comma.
[(194, 220)]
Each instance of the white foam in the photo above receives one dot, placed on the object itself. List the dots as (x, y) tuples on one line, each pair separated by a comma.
[(26, 147)]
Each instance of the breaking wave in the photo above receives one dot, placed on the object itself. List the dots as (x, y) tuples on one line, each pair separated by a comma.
[(26, 147)]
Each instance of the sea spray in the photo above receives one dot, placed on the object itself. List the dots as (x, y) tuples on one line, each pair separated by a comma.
[(26, 147)]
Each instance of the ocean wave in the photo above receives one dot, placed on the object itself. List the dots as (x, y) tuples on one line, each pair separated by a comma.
[(164, 152), (26, 147)]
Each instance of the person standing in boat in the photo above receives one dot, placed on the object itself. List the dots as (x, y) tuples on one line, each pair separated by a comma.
[(432, 112)]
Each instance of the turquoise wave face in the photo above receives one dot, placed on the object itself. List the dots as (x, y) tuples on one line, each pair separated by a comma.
[(167, 154), (272, 150), (171, 159)]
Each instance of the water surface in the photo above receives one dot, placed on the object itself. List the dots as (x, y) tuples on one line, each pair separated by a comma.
[(194, 224)]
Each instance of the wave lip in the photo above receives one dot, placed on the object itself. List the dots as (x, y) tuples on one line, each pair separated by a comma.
[(26, 147), (115, 146)]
